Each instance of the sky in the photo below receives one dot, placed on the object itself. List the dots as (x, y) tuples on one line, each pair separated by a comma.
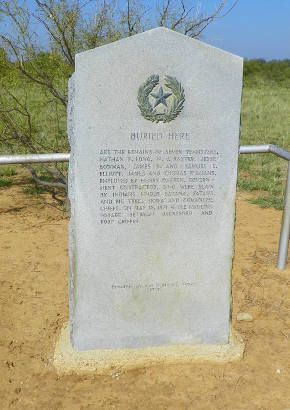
[(253, 29)]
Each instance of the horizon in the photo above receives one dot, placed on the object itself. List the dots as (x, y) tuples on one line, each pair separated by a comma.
[(253, 30)]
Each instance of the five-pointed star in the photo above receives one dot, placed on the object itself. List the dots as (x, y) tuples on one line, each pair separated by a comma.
[(160, 97)]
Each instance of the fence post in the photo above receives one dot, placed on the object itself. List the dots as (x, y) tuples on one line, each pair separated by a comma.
[(285, 226)]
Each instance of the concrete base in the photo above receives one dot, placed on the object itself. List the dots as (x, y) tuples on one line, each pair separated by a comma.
[(114, 361)]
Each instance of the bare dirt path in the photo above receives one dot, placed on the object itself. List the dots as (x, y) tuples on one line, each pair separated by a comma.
[(33, 274)]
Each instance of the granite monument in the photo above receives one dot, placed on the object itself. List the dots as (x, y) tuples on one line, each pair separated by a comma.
[(154, 132)]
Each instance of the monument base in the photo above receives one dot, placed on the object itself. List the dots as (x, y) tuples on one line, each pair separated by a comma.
[(112, 361)]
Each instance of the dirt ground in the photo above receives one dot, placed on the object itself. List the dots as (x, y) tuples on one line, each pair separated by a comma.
[(34, 306)]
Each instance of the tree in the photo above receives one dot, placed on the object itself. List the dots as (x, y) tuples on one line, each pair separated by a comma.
[(37, 48)]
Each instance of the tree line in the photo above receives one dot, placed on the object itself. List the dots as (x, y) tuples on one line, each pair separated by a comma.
[(261, 72)]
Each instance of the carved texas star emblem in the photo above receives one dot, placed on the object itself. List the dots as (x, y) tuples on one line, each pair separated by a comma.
[(160, 97), (173, 107)]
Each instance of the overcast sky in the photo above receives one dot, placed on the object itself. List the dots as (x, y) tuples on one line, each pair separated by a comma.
[(253, 29)]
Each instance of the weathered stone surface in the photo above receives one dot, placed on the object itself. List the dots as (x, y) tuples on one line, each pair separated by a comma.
[(152, 203)]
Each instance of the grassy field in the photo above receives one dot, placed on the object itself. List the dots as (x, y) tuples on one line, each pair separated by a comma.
[(265, 119)]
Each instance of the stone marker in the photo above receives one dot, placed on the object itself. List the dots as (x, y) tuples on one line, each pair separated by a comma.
[(154, 131)]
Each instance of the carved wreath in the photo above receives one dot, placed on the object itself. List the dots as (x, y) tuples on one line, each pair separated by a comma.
[(146, 108)]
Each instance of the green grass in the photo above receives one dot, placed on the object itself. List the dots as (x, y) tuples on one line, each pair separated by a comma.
[(48, 118), (34, 190), (267, 201), (7, 171), (265, 120), (4, 182)]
